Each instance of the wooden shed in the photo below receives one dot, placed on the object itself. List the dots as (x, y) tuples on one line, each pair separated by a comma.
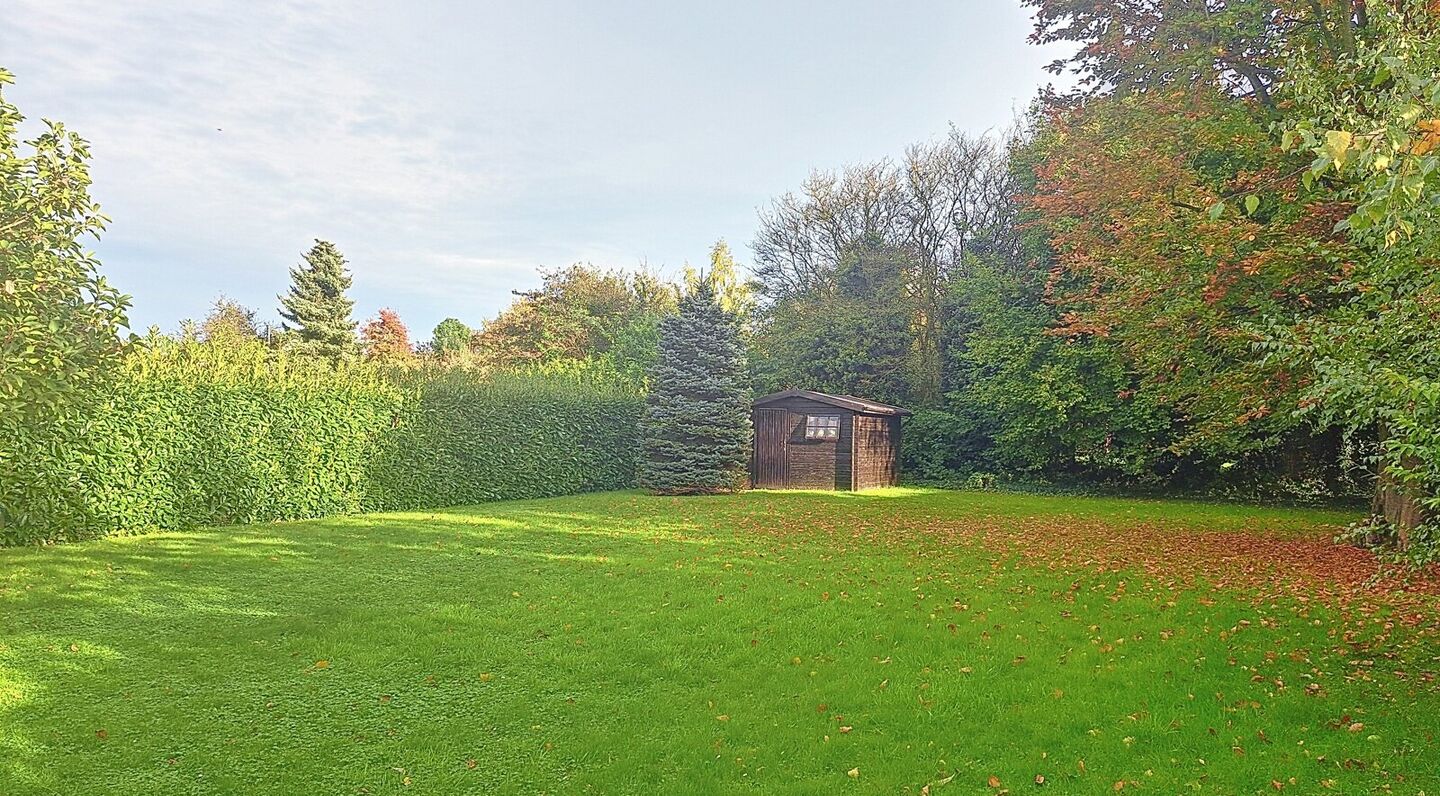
[(811, 440)]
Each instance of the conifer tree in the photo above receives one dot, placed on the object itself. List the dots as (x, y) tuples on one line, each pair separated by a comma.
[(696, 429), (316, 308)]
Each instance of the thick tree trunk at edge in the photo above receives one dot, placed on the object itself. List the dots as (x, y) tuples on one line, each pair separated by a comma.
[(1398, 508)]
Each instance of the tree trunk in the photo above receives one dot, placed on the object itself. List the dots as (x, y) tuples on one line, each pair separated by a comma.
[(1398, 508)]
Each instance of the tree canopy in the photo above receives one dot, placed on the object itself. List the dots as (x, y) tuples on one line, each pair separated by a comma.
[(580, 313), (385, 338), (450, 338), (61, 319)]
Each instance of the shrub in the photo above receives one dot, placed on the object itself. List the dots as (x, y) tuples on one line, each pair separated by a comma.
[(192, 434), (939, 447), (462, 440)]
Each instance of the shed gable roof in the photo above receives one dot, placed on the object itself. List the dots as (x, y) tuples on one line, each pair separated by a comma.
[(850, 402)]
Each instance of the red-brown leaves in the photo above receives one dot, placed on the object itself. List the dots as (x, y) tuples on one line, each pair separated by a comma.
[(1176, 221)]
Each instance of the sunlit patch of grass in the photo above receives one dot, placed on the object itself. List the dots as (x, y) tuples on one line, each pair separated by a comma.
[(769, 642)]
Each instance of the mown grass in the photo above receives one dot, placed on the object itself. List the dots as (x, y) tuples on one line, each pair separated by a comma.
[(770, 642)]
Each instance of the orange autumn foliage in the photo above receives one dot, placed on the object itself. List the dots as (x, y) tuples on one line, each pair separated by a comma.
[(1144, 202)]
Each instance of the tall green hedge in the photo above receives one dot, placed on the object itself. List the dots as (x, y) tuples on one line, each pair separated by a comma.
[(190, 434), (459, 440)]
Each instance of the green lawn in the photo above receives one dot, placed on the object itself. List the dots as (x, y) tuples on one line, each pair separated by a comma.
[(770, 642)]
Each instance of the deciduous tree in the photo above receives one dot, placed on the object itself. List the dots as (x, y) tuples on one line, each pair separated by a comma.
[(1370, 119), (384, 338), (734, 291), (856, 339), (228, 322), (450, 338), (578, 313), (60, 320)]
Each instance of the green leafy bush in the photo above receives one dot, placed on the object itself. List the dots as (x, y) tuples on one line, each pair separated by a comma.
[(192, 434), (939, 447), (462, 440)]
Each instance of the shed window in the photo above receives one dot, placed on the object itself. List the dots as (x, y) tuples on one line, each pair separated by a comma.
[(822, 427)]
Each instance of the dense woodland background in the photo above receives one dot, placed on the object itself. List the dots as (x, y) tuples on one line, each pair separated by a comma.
[(1210, 269)]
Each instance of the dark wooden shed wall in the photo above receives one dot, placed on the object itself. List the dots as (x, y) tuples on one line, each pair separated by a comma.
[(866, 454), (877, 451)]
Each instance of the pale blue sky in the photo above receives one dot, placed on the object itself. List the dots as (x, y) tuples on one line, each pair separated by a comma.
[(452, 148)]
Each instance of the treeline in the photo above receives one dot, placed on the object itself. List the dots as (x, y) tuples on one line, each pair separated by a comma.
[(1211, 267), (581, 316)]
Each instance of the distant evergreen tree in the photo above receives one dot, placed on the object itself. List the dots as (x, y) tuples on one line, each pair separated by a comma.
[(316, 308), (696, 429)]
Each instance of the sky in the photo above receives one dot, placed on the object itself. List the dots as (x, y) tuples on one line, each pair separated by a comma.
[(451, 149)]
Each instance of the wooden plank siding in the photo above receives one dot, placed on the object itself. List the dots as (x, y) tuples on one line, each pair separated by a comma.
[(877, 451), (767, 465), (865, 455)]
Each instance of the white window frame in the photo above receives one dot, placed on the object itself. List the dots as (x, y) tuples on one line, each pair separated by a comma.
[(827, 429)]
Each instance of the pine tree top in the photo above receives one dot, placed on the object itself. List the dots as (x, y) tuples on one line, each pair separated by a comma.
[(316, 306)]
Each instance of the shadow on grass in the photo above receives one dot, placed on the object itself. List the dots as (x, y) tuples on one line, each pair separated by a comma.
[(164, 637), (77, 619)]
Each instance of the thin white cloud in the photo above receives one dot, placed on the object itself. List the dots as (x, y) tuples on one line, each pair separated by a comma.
[(451, 147), (277, 117)]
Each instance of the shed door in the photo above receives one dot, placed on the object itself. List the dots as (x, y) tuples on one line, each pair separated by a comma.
[(772, 441)]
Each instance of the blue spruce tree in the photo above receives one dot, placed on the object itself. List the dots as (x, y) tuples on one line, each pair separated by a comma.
[(696, 428)]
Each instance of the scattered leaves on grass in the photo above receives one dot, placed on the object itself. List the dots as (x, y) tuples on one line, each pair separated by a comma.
[(925, 790)]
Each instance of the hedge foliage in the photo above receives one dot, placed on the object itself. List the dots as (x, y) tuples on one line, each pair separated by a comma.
[(190, 434), (458, 440)]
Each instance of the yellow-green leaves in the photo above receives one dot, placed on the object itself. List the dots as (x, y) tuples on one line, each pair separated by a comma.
[(1337, 147)]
